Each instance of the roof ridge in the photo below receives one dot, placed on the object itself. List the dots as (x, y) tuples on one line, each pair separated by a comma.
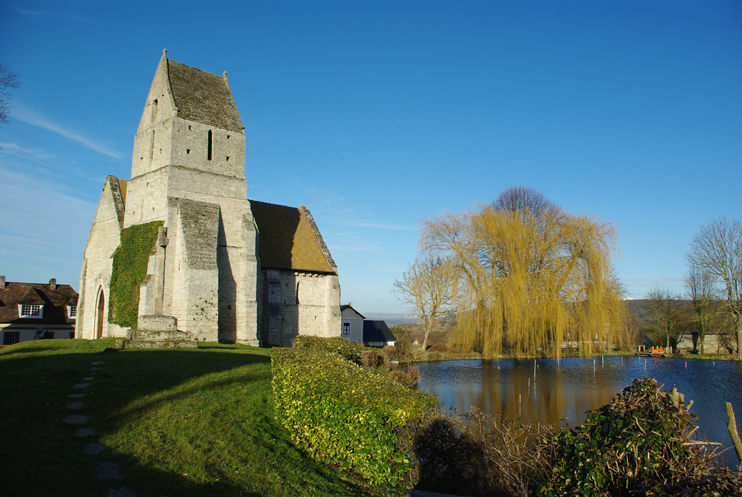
[(271, 203)]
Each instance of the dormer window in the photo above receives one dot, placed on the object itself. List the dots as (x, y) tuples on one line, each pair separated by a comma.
[(72, 311), (31, 311)]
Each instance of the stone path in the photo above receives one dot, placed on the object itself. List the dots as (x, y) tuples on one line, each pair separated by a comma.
[(104, 470)]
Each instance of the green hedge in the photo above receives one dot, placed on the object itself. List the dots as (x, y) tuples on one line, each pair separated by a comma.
[(337, 345), (345, 415), (129, 270)]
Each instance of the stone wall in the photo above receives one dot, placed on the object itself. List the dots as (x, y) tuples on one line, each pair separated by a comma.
[(299, 303), (95, 276)]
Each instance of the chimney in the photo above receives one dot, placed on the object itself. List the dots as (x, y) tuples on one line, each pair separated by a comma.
[(53, 284), (2, 282)]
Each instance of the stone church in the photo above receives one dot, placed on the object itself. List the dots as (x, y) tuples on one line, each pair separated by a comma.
[(219, 267)]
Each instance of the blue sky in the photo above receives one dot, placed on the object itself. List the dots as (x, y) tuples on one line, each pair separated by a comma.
[(378, 114)]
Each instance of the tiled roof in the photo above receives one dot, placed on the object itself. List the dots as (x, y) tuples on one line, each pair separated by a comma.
[(287, 241), (203, 97), (343, 307), (377, 331), (123, 183), (54, 301)]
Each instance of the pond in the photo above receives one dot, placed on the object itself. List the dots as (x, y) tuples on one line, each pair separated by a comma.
[(561, 392)]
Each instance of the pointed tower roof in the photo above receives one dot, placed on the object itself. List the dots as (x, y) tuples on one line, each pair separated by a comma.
[(202, 97)]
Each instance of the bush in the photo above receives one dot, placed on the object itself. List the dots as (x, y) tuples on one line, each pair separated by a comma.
[(402, 350), (476, 455), (635, 443), (336, 345), (345, 415)]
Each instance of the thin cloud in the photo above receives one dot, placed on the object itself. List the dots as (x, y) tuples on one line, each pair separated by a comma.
[(33, 155), (377, 225), (55, 14), (28, 116)]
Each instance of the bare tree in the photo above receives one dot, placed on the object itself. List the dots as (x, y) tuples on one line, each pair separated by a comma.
[(524, 199), (665, 309), (8, 81), (426, 287), (701, 287), (717, 249)]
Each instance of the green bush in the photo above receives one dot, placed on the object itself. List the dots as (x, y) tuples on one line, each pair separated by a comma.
[(345, 415), (628, 446), (129, 270), (337, 345)]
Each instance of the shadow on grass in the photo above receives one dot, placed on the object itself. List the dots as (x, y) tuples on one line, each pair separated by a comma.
[(181, 422)]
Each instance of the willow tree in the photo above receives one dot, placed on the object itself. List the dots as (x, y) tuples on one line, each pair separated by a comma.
[(527, 275)]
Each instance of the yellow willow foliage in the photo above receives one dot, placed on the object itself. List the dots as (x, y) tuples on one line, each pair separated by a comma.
[(525, 282)]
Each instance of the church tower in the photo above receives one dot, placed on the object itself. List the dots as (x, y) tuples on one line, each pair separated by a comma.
[(188, 170)]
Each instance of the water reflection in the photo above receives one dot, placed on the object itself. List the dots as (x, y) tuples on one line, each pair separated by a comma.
[(560, 392)]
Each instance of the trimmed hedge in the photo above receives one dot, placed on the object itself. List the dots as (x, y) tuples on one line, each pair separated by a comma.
[(129, 270), (345, 415), (337, 345)]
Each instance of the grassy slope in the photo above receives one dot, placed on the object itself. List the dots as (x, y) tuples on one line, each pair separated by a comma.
[(182, 422)]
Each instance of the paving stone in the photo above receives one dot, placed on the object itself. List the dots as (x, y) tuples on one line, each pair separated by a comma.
[(77, 419), (81, 385), (93, 448), (74, 405), (122, 492), (96, 363), (88, 378), (76, 395), (105, 470), (85, 432)]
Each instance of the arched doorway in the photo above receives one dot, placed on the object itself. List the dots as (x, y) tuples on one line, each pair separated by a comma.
[(101, 312)]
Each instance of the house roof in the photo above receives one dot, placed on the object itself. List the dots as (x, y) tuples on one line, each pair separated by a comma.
[(203, 97), (377, 331), (54, 301), (289, 240), (344, 307)]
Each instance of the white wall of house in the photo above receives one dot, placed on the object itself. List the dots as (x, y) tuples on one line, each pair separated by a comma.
[(352, 325)]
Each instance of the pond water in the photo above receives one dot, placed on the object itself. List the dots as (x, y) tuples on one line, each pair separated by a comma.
[(561, 392)]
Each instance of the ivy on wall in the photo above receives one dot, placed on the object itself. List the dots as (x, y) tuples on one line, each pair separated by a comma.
[(129, 270)]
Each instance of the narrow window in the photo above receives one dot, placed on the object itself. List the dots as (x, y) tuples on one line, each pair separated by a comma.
[(152, 145), (208, 156), (153, 115), (227, 158), (188, 151), (297, 293)]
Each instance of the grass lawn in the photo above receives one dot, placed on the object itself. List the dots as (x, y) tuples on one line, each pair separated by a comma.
[(181, 422)]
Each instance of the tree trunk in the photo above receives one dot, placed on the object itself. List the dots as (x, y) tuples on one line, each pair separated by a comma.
[(424, 345)]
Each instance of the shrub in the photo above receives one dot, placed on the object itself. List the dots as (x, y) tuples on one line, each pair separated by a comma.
[(371, 359), (129, 270), (345, 415), (477, 455), (337, 345), (439, 347), (402, 350), (639, 440)]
